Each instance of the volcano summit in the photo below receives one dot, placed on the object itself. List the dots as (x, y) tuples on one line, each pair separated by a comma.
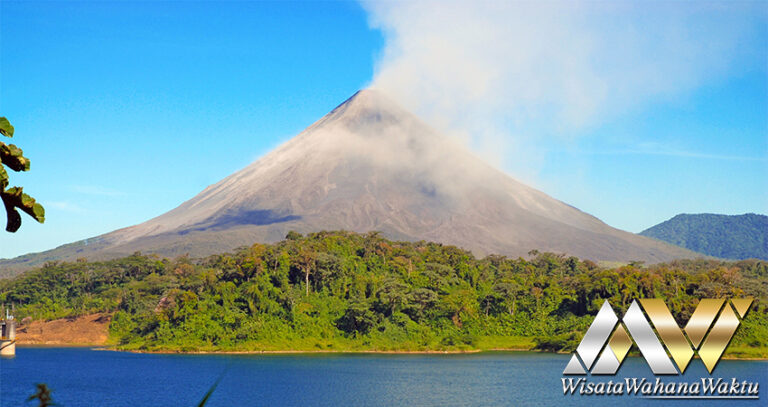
[(370, 165)]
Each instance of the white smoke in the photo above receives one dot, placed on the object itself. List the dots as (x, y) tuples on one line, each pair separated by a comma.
[(513, 77)]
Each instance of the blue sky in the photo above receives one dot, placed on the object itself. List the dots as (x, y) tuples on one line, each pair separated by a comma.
[(128, 109)]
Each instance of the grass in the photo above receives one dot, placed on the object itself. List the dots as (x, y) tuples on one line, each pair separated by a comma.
[(745, 352), (506, 342), (341, 344)]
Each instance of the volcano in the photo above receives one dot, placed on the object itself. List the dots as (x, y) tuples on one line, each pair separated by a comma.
[(370, 165)]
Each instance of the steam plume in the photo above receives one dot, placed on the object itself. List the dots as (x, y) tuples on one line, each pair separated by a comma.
[(511, 77)]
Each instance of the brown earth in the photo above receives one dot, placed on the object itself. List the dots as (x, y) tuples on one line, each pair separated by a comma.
[(84, 330)]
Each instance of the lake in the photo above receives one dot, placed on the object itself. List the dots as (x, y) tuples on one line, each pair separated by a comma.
[(85, 377)]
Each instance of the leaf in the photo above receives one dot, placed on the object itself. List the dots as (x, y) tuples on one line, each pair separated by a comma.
[(32, 208), (39, 212), (210, 391), (15, 198), (208, 395), (13, 157), (3, 178), (5, 127), (14, 220)]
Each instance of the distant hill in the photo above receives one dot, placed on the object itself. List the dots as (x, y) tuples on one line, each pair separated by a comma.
[(725, 236)]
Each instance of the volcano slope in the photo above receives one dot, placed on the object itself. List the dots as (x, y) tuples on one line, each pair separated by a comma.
[(369, 165)]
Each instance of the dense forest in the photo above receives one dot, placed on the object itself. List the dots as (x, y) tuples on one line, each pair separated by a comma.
[(347, 291), (724, 236)]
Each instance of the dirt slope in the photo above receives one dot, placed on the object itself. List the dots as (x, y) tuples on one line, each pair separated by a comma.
[(85, 330)]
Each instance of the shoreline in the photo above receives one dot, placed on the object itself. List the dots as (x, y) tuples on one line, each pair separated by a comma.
[(320, 351), (101, 347), (98, 347)]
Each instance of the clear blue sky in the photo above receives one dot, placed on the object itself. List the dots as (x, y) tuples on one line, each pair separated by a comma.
[(128, 109)]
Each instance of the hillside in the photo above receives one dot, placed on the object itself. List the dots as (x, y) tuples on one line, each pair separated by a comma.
[(724, 236), (341, 291), (83, 330)]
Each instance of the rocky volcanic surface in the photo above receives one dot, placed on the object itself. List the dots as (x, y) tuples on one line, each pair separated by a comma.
[(370, 165)]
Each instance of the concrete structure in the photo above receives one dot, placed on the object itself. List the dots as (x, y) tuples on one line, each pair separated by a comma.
[(8, 335)]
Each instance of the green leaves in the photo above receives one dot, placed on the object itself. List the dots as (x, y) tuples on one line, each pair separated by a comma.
[(3, 178), (13, 157), (14, 198), (5, 127), (371, 294), (210, 391)]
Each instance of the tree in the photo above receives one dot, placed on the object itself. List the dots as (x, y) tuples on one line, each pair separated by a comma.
[(392, 295), (458, 301), (13, 198), (306, 261), (421, 300), (358, 318)]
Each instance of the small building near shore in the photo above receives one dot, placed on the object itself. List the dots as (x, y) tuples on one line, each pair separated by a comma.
[(8, 335)]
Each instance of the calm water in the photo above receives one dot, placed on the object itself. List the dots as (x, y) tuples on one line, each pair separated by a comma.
[(84, 377)]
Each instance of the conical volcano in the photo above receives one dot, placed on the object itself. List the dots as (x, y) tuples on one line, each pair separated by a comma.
[(370, 165)]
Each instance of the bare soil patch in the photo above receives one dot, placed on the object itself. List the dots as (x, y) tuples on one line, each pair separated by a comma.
[(84, 330)]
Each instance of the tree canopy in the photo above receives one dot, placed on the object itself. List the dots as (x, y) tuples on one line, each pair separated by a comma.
[(348, 291)]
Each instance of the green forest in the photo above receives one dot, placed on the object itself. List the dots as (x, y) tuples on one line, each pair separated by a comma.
[(342, 291)]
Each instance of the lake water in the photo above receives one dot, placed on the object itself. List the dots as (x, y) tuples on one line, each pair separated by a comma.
[(84, 377)]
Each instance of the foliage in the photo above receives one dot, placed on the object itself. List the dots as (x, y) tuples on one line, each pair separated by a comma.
[(42, 395), (347, 291), (14, 198), (208, 394), (728, 237)]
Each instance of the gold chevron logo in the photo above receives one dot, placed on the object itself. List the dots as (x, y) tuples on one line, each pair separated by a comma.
[(708, 332)]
